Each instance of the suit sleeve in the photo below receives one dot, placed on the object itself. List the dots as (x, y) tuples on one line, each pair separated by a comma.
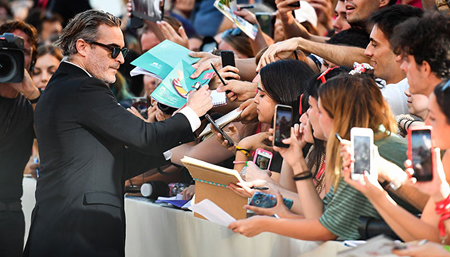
[(99, 111)]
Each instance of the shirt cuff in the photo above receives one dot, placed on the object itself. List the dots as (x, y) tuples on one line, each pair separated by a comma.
[(168, 154), (192, 117)]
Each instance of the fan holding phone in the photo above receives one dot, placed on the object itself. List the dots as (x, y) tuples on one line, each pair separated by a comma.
[(337, 214), (274, 88)]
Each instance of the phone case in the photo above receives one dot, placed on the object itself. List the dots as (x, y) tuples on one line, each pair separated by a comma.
[(362, 160), (428, 174), (264, 200), (283, 129), (264, 154)]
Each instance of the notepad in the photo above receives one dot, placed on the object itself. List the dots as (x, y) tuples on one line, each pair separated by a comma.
[(211, 183), (218, 98)]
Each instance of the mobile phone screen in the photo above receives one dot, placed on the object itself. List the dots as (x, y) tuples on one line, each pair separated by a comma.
[(283, 125), (227, 58), (421, 154), (262, 162), (361, 147)]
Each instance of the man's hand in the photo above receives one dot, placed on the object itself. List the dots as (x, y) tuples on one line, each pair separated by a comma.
[(27, 87), (170, 33), (200, 101), (279, 51), (204, 63)]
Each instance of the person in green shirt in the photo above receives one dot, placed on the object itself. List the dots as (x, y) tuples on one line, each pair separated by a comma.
[(345, 101)]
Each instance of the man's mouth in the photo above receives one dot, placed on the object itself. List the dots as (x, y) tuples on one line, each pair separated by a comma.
[(350, 7)]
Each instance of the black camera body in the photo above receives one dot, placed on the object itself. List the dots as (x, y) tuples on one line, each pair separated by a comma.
[(12, 59)]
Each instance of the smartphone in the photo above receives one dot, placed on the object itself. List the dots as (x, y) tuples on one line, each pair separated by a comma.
[(266, 22), (141, 104), (362, 151), (224, 135), (264, 200), (420, 152), (227, 58), (282, 124), (263, 159), (296, 4)]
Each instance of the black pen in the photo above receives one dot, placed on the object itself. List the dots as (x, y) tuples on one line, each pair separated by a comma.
[(246, 7), (218, 75), (260, 188)]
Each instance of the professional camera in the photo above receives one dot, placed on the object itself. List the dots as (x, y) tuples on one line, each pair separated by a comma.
[(12, 60)]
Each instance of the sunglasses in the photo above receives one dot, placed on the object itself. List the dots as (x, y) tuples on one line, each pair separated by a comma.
[(115, 50), (322, 76)]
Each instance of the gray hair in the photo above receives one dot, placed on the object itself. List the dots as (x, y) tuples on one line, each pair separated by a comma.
[(84, 25)]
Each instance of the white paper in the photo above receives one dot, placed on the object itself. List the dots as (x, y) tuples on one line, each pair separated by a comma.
[(139, 71), (218, 98), (212, 212), (177, 197), (380, 245)]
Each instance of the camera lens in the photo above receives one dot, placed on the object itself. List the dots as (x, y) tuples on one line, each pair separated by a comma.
[(7, 66)]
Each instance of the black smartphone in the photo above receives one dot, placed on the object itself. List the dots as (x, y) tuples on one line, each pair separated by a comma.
[(141, 104), (296, 4), (282, 124), (224, 135), (420, 152), (266, 22), (227, 58)]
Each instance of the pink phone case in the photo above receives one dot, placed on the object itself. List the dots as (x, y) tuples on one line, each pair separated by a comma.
[(264, 156)]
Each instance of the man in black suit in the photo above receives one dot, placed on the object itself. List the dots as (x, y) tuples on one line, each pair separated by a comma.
[(89, 145)]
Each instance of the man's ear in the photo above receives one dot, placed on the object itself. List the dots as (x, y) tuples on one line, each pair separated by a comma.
[(426, 68), (383, 3), (398, 58), (81, 47)]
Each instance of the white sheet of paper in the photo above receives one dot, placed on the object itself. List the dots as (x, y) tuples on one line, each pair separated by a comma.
[(177, 197), (212, 212)]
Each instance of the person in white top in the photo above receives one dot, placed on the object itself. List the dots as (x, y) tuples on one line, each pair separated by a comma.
[(385, 62)]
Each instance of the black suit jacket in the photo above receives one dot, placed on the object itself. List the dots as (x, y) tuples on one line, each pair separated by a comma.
[(82, 133)]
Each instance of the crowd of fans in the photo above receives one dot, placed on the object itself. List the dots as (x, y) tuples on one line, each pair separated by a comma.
[(378, 64)]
